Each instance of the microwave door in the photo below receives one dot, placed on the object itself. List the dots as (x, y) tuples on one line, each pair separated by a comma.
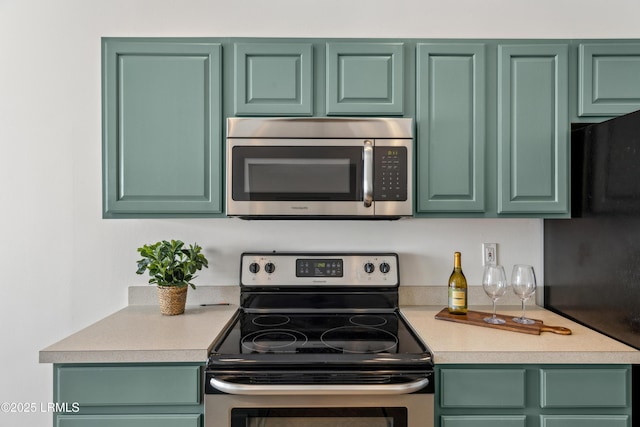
[(303, 178)]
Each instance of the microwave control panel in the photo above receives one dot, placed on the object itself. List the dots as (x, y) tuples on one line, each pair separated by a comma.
[(390, 174)]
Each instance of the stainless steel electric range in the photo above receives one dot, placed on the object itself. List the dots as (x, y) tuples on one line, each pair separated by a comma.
[(319, 340)]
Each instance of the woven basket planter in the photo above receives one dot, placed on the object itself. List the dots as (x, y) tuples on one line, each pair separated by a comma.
[(172, 299)]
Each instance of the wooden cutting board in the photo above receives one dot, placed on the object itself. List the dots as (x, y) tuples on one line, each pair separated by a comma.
[(476, 318)]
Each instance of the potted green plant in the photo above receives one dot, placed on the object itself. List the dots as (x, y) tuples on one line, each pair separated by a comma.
[(171, 267)]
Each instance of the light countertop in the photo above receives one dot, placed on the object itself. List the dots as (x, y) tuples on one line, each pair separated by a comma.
[(452, 342), (139, 333)]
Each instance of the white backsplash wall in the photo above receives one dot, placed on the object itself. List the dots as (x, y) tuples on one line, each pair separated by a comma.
[(425, 246), (63, 267)]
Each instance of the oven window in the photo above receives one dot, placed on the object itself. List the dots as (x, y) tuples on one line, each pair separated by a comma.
[(295, 173), (319, 417)]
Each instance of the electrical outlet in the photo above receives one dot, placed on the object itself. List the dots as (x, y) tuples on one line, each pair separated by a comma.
[(489, 254)]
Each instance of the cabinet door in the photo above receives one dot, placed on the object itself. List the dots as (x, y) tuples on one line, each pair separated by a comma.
[(273, 78), (365, 78), (164, 420), (482, 388), (584, 388), (451, 108), (609, 81), (584, 421), (533, 135), (483, 421), (128, 385), (161, 128)]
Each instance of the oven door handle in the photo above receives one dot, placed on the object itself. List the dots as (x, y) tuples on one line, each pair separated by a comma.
[(318, 389), (367, 172)]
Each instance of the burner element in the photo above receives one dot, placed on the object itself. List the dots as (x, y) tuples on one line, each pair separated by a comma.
[(370, 320), (270, 320), (274, 340), (360, 339)]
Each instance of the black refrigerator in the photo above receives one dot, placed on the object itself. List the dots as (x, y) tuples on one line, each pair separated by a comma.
[(592, 261)]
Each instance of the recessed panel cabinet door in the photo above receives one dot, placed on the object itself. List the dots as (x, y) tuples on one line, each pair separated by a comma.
[(585, 388), (451, 108), (161, 128), (609, 82), (365, 78), (533, 135), (483, 388), (159, 385), (274, 78), (484, 421), (585, 421), (143, 420)]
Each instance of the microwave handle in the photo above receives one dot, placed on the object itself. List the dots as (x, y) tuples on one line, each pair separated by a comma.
[(367, 172)]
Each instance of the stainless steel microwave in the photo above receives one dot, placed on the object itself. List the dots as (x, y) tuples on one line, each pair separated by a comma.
[(319, 167)]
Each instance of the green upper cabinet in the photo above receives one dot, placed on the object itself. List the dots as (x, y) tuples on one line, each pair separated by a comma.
[(274, 79), (450, 118), (533, 129), (492, 116), (161, 128), (365, 79), (609, 79)]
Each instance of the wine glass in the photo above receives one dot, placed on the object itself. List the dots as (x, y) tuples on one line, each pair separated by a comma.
[(523, 281), (494, 283)]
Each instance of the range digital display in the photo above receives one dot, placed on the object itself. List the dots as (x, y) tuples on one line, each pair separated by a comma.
[(319, 268)]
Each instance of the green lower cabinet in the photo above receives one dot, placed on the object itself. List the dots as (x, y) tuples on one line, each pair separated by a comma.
[(484, 421), (483, 388), (533, 396), (584, 421), (182, 420), (584, 388), (128, 385), (128, 395)]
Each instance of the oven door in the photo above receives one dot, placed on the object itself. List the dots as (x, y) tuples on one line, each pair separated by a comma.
[(299, 177), (407, 410)]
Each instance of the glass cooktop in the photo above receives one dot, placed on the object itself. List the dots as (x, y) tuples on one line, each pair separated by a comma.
[(326, 334)]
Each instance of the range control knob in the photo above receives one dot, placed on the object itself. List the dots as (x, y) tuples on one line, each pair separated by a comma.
[(384, 267), (369, 268), (254, 267), (269, 267)]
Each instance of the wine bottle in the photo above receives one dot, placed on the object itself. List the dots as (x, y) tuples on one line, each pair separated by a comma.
[(457, 288)]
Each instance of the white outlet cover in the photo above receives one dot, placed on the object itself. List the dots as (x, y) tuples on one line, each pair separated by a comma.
[(489, 254)]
